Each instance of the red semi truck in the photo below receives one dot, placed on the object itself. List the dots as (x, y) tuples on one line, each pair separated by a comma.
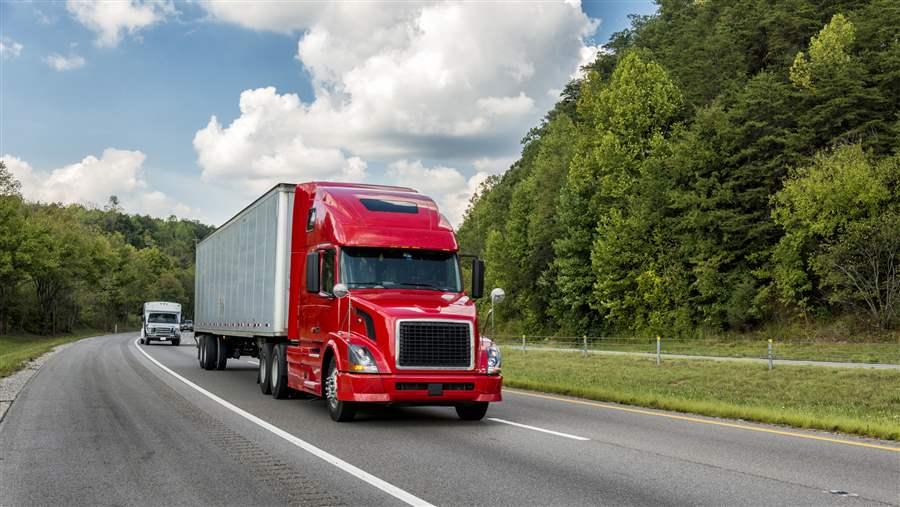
[(349, 292)]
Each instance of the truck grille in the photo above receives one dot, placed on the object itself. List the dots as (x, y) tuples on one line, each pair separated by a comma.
[(429, 344), (162, 331)]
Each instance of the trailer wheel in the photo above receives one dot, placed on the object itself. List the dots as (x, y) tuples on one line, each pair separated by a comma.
[(278, 373), (221, 353), (472, 411), (200, 349), (209, 353), (340, 411), (265, 366)]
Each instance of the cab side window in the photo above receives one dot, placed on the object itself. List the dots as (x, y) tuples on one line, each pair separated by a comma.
[(328, 271)]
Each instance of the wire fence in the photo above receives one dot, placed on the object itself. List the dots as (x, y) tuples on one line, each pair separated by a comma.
[(799, 349)]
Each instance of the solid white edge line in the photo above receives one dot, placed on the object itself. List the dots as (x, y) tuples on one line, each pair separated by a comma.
[(535, 428), (387, 487)]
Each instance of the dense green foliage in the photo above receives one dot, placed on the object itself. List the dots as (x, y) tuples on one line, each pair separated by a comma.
[(63, 267), (723, 165)]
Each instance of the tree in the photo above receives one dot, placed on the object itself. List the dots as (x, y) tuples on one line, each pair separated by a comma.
[(844, 190), (9, 185)]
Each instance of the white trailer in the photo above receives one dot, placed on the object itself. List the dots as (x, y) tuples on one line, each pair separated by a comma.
[(161, 321), (241, 278)]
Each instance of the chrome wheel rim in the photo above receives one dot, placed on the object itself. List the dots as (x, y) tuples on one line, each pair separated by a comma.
[(331, 388)]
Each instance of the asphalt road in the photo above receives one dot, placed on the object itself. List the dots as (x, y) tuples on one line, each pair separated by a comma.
[(101, 424)]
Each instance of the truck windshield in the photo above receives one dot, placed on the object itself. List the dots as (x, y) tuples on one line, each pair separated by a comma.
[(163, 318), (398, 268)]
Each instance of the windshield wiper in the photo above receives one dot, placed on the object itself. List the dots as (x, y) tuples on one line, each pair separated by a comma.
[(424, 286)]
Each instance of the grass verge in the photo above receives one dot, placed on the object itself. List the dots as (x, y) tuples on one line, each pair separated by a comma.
[(16, 350), (859, 401)]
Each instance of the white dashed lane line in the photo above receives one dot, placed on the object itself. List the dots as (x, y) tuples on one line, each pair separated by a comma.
[(535, 428)]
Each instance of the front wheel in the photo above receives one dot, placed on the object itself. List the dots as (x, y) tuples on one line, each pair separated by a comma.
[(340, 411), (472, 411)]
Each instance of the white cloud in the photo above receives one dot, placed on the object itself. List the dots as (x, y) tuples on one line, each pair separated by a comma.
[(271, 16), (443, 81), (448, 186), (266, 145), (491, 165), (10, 48), (92, 180), (62, 63), (109, 19)]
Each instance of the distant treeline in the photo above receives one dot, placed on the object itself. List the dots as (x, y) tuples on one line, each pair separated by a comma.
[(63, 267), (725, 165)]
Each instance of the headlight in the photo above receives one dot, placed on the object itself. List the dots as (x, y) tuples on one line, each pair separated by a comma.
[(361, 360), (494, 360)]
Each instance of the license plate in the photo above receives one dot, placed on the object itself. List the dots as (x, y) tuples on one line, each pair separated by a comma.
[(162, 338)]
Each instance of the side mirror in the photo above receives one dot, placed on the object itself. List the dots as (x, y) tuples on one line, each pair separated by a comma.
[(340, 291), (497, 295), (477, 278)]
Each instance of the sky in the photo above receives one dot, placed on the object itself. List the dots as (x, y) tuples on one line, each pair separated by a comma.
[(197, 108)]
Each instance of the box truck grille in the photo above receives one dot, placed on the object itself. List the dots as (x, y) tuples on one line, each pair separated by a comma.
[(428, 344), (160, 331)]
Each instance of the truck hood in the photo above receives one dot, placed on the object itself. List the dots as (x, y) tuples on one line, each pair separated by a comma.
[(415, 303)]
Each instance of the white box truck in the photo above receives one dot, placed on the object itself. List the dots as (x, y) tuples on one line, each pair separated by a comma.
[(161, 321)]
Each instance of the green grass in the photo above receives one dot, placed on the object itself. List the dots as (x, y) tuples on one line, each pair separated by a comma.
[(858, 401), (881, 352), (16, 350)]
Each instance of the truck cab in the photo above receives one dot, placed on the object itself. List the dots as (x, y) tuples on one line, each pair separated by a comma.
[(350, 292), (161, 321), (377, 311)]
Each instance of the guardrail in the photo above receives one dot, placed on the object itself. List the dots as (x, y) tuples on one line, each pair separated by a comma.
[(770, 349)]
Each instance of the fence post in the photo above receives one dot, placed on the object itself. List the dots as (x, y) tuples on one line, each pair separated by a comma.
[(584, 345), (657, 350), (770, 354), (116, 329), (523, 344)]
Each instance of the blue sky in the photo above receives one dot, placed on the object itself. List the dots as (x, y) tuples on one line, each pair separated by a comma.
[(144, 79)]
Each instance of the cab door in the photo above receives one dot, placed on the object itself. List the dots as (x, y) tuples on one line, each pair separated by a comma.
[(317, 316)]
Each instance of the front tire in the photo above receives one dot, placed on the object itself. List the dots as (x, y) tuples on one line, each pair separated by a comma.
[(265, 367), (278, 373), (472, 411), (340, 411)]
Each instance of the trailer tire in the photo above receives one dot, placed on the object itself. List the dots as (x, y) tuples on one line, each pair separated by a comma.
[(221, 353), (209, 353), (278, 373), (340, 411), (472, 411), (199, 340), (265, 367)]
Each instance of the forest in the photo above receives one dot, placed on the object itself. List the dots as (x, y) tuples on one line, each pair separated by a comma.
[(69, 267), (723, 165)]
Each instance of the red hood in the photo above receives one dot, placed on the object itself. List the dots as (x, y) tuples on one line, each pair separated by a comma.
[(415, 303)]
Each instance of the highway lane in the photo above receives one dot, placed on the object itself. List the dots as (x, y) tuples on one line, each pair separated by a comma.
[(103, 424)]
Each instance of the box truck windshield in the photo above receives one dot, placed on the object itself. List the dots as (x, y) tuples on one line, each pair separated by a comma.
[(163, 318), (385, 268)]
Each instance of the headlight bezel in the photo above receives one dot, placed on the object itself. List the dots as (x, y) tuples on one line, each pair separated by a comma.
[(361, 359), (494, 363)]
